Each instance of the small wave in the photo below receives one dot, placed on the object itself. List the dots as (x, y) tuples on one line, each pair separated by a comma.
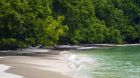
[(3, 74), (84, 48), (80, 65), (128, 45)]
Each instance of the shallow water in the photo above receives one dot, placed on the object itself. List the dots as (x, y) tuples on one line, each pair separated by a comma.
[(4, 74), (118, 62)]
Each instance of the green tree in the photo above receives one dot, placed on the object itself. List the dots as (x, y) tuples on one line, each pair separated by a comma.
[(81, 20), (114, 36), (29, 22)]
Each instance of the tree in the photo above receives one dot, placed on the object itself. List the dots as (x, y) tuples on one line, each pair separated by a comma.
[(80, 18), (114, 36), (122, 15), (29, 22), (50, 22), (53, 30)]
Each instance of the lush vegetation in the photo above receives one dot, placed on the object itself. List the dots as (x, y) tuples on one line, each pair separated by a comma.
[(50, 22)]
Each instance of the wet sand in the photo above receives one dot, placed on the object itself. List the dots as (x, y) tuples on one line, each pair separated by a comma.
[(50, 65)]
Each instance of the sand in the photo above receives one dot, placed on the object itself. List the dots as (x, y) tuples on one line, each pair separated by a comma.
[(50, 65)]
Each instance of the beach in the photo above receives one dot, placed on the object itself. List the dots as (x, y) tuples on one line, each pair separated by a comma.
[(45, 65)]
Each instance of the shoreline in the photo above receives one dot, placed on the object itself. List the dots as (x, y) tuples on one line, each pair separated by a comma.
[(91, 46), (38, 66), (5, 74), (44, 63), (64, 47)]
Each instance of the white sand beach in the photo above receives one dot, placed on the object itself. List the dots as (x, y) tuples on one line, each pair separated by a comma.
[(49, 65), (4, 74)]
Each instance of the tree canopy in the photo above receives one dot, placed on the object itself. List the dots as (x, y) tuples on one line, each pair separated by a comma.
[(49, 22)]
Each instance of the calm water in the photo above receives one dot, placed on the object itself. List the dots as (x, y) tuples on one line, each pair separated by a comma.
[(118, 62)]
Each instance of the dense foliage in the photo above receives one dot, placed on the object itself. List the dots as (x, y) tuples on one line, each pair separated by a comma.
[(49, 22)]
